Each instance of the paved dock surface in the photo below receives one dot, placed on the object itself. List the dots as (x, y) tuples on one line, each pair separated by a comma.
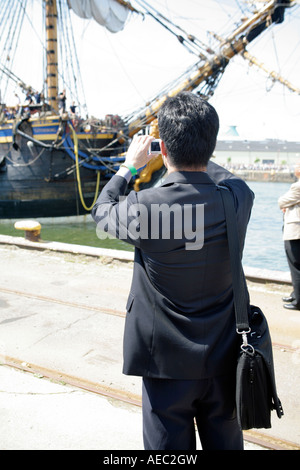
[(37, 414), (62, 316)]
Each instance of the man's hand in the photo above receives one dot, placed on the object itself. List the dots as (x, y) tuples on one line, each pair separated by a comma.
[(137, 154)]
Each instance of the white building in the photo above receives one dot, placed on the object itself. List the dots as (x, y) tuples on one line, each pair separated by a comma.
[(237, 153)]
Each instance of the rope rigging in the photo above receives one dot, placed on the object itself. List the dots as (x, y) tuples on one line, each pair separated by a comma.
[(70, 70), (11, 25), (189, 41), (76, 151)]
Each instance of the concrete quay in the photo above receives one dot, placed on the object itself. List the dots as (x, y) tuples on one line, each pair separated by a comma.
[(62, 317)]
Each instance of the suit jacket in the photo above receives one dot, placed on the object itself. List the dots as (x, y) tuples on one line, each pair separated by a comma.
[(180, 321), (290, 201)]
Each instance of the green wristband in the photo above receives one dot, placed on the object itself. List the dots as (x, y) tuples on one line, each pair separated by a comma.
[(131, 168)]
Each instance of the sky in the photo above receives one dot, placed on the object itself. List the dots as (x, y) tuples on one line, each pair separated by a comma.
[(122, 71)]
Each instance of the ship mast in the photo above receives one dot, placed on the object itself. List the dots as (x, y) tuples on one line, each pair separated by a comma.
[(52, 63)]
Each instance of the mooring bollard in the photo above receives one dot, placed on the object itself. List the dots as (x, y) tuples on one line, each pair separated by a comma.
[(32, 229)]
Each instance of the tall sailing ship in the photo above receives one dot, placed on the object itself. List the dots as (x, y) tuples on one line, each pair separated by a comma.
[(53, 162)]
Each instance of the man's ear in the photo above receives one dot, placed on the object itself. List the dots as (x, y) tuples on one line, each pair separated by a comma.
[(163, 148), (164, 153)]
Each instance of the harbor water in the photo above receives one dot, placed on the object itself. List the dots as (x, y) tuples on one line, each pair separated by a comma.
[(263, 248)]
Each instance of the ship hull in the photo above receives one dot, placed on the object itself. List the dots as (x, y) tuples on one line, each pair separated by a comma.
[(38, 180)]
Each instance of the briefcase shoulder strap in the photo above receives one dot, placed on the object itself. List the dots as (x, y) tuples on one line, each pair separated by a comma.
[(238, 278)]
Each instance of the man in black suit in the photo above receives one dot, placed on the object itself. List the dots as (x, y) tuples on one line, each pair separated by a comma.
[(180, 326)]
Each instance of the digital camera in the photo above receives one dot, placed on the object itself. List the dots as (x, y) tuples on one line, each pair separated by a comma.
[(155, 147)]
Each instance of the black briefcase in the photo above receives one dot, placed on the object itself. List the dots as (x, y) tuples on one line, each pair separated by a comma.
[(256, 394)]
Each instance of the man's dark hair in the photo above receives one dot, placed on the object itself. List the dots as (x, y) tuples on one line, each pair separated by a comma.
[(189, 126)]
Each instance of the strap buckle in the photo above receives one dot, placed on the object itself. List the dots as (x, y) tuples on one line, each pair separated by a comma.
[(245, 346)]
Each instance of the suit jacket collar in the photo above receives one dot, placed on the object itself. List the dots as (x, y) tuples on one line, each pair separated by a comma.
[(188, 177)]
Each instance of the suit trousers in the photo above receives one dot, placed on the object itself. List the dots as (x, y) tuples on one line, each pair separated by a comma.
[(171, 408), (292, 250)]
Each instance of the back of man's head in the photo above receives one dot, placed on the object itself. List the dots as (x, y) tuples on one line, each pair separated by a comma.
[(189, 126)]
